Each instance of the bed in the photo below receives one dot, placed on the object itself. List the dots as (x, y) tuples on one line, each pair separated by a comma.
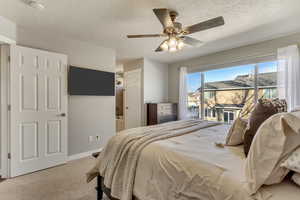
[(178, 160)]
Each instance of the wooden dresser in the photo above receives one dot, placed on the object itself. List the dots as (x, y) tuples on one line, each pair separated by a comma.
[(158, 113)]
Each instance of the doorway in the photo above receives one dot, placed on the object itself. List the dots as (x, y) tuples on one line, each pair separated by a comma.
[(120, 125)]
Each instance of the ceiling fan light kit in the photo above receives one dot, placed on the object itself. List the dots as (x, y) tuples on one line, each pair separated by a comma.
[(177, 35), (172, 44)]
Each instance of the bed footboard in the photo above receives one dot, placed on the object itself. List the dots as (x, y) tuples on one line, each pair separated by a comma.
[(99, 188)]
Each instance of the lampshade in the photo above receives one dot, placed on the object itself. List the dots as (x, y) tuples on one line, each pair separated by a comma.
[(172, 44)]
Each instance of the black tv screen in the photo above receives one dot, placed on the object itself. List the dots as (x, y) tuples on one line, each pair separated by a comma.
[(91, 82)]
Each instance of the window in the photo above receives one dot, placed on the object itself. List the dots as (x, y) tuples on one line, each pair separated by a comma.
[(209, 112), (194, 85), (214, 112), (270, 93), (228, 116), (267, 80), (226, 91), (209, 95)]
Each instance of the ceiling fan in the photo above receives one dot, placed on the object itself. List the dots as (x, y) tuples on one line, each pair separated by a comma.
[(177, 35)]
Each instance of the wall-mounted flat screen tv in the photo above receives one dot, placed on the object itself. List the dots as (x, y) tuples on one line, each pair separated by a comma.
[(90, 82)]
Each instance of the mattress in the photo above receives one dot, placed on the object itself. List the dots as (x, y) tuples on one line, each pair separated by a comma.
[(191, 167)]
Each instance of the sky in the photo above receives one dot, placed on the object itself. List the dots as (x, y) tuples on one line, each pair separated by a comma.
[(194, 79)]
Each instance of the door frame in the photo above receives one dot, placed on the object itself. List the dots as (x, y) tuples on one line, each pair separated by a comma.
[(5, 113)]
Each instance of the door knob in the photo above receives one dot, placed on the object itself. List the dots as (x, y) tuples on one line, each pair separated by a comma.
[(62, 115), (126, 107)]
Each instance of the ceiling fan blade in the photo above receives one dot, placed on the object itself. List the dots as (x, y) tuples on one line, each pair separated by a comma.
[(163, 15), (218, 21), (146, 35), (159, 48), (191, 41)]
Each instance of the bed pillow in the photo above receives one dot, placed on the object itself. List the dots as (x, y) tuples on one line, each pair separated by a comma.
[(235, 135), (296, 178), (264, 109), (275, 140), (293, 161)]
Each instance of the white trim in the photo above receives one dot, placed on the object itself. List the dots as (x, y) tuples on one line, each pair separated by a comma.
[(202, 111), (83, 155), (256, 90), (5, 145)]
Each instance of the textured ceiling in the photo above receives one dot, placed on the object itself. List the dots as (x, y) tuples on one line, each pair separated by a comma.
[(107, 22)]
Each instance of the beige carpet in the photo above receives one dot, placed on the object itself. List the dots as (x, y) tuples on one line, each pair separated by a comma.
[(65, 182)]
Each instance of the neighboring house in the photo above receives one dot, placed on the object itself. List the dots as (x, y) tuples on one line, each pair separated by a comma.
[(223, 100)]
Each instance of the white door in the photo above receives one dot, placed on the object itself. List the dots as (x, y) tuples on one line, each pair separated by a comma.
[(132, 98), (38, 89)]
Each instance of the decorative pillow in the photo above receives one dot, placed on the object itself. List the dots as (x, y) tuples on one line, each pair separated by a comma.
[(296, 178), (264, 109), (235, 135), (275, 140), (293, 161)]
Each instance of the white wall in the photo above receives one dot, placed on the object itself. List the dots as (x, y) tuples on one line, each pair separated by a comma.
[(133, 64), (155, 85), (228, 57), (155, 81), (88, 115), (8, 32)]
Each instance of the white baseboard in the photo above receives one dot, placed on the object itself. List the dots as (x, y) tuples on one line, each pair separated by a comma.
[(82, 155)]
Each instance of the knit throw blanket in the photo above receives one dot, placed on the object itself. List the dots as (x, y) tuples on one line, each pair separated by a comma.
[(118, 161)]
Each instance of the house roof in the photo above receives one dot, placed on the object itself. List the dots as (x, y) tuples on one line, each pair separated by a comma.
[(237, 106), (264, 79)]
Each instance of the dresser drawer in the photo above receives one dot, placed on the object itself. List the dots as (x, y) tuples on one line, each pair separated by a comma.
[(167, 118), (164, 106), (161, 112)]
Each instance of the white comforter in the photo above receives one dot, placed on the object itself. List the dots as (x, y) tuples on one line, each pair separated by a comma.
[(185, 167)]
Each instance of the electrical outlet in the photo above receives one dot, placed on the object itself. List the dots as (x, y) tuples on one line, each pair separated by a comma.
[(91, 138), (97, 138)]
